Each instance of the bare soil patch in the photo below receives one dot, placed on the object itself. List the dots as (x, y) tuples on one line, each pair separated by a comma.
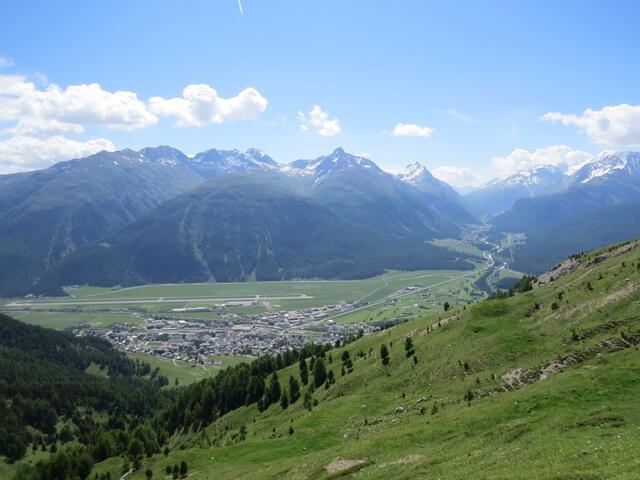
[(341, 464)]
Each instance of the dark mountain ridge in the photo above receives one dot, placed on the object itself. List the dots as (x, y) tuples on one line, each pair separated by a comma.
[(244, 227), (126, 208), (46, 215)]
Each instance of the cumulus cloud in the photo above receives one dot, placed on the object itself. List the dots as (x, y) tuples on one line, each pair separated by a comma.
[(21, 153), (201, 105), (521, 159), (457, 176), (412, 130), (38, 116), (614, 125), (54, 109), (5, 62), (319, 121)]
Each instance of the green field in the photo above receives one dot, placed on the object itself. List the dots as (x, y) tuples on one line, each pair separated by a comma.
[(186, 373), (543, 385), (499, 277), (411, 307), (62, 320), (323, 292), (102, 307), (458, 246)]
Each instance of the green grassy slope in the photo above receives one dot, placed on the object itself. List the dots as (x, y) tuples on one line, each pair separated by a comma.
[(186, 373), (507, 388)]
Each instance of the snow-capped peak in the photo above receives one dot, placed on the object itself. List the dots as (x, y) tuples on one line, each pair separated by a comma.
[(605, 164), (260, 157), (163, 154), (336, 161), (539, 176), (418, 176), (414, 173), (213, 163)]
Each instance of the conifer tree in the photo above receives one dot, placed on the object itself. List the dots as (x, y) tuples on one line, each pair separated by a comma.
[(184, 469), (408, 346), (274, 388), (294, 389), (304, 372), (284, 400), (319, 372), (384, 355)]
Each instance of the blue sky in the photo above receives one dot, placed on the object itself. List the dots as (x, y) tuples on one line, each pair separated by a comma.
[(478, 75)]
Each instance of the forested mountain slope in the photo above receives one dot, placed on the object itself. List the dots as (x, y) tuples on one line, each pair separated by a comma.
[(245, 227), (125, 217), (47, 400), (48, 214)]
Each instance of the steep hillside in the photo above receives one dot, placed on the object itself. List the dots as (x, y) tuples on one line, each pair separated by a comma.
[(541, 385), (48, 214), (47, 398), (244, 227)]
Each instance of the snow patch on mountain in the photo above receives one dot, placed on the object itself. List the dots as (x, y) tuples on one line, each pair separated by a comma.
[(414, 173), (606, 164), (337, 161)]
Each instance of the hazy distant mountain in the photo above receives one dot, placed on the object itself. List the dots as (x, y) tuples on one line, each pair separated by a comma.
[(499, 195), (601, 205), (244, 227), (417, 175), (47, 214)]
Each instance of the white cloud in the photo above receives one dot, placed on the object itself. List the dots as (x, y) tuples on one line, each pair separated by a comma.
[(70, 109), (36, 116), (412, 130), (201, 105), (21, 153), (521, 159), (319, 120), (457, 176), (614, 125), (5, 62)]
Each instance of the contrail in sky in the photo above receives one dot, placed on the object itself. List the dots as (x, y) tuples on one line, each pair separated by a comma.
[(240, 6)]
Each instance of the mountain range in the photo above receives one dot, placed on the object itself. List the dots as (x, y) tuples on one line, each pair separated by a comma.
[(158, 215), (499, 195), (600, 204)]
